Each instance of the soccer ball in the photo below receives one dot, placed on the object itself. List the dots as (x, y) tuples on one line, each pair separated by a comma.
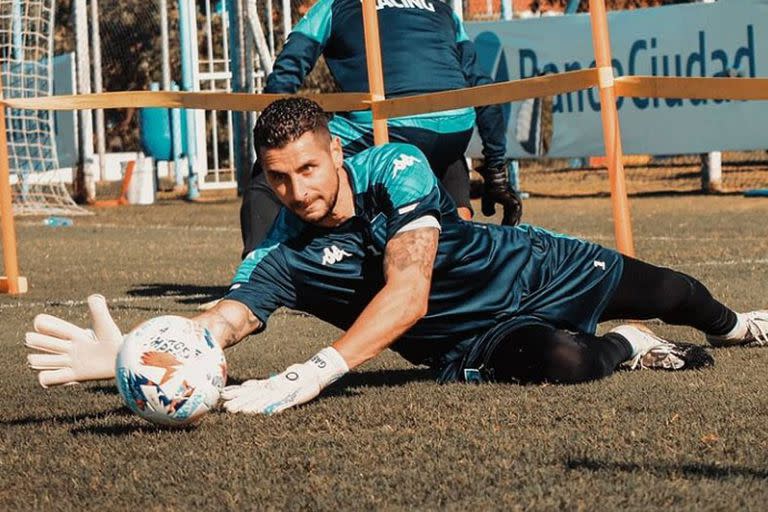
[(170, 370)]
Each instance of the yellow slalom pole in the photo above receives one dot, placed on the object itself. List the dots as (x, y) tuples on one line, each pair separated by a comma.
[(375, 73), (611, 132), (11, 282)]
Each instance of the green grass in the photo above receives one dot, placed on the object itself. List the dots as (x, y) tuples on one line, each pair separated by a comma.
[(385, 436)]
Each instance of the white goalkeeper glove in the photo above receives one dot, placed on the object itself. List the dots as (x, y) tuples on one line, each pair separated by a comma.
[(298, 384), (71, 354)]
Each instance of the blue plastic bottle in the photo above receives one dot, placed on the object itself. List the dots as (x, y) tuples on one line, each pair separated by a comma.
[(56, 222)]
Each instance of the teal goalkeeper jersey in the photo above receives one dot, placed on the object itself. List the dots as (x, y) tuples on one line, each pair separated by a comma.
[(424, 48), (482, 273)]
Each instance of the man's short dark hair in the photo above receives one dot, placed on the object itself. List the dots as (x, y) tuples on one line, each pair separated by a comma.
[(285, 120)]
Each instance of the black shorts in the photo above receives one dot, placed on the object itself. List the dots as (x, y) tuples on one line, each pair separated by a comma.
[(469, 366)]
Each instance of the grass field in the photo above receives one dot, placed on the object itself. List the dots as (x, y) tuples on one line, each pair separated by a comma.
[(386, 436)]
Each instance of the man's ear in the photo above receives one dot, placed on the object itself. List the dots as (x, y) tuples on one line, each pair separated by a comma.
[(337, 153)]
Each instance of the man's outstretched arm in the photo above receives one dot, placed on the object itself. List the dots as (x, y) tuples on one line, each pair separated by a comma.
[(408, 261), (64, 353)]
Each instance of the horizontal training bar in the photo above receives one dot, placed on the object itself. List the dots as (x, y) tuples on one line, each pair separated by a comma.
[(503, 92), (335, 102), (705, 88), (548, 85), (423, 103)]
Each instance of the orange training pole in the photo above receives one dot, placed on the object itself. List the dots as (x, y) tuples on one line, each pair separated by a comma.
[(11, 283), (611, 133), (375, 73)]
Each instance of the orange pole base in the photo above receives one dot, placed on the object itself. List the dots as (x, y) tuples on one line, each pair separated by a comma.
[(8, 286), (123, 199)]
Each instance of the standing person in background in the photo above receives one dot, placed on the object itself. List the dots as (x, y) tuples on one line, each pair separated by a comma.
[(424, 49)]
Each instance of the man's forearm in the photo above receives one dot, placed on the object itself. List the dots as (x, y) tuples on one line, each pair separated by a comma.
[(408, 263), (390, 314), (296, 60), (492, 130), (229, 322)]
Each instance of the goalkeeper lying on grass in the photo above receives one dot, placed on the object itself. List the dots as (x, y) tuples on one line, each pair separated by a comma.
[(373, 246)]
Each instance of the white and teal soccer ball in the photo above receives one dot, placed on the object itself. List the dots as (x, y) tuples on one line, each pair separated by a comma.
[(170, 371)]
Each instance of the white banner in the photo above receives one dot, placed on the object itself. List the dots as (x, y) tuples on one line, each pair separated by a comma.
[(726, 38)]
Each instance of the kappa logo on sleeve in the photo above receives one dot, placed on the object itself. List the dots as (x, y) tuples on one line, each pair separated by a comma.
[(333, 255), (403, 162)]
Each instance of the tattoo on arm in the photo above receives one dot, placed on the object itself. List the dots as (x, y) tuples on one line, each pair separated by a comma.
[(229, 330), (229, 325), (412, 248)]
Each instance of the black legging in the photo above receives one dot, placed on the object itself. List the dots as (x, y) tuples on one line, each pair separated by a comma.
[(646, 291), (542, 353)]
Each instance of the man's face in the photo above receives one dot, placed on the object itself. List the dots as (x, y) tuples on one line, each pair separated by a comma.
[(304, 174)]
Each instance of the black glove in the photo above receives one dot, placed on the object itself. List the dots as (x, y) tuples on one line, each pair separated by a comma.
[(496, 189)]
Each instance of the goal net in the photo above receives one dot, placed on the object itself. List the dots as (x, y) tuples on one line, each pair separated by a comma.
[(26, 67)]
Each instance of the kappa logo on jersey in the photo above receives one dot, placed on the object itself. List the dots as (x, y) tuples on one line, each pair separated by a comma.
[(333, 255), (599, 264), (405, 4), (403, 162)]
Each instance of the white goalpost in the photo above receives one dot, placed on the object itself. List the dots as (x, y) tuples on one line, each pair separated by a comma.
[(26, 64)]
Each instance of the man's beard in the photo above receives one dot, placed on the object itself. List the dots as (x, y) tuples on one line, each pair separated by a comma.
[(331, 208), (331, 203)]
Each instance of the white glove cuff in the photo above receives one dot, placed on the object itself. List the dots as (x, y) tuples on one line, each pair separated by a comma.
[(330, 366)]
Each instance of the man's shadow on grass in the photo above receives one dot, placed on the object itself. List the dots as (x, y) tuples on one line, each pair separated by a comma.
[(346, 387), (103, 389), (348, 384), (372, 379), (122, 430), (378, 379), (692, 470), (184, 293), (66, 419)]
